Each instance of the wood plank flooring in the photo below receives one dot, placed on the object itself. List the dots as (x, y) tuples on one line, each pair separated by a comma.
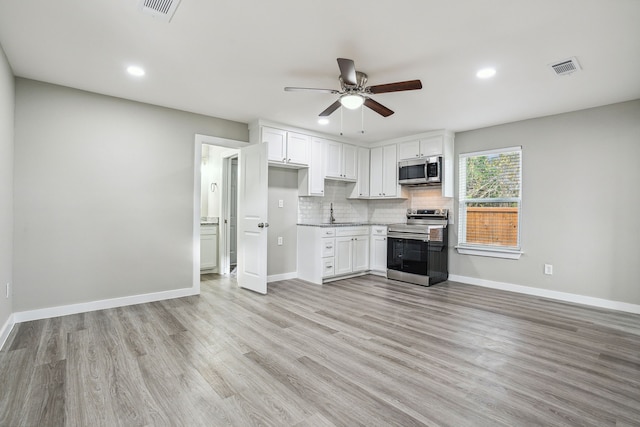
[(363, 351)]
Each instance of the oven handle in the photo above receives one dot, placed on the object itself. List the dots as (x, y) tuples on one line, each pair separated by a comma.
[(408, 236)]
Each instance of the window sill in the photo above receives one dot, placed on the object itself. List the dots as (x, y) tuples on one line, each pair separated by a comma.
[(490, 252)]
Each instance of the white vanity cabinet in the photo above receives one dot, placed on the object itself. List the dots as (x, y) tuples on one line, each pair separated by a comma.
[(209, 247), (285, 148), (378, 253)]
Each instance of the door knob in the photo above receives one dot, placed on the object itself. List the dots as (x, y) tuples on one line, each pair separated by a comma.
[(261, 225)]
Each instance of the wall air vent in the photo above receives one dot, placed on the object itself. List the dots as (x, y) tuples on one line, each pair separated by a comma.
[(566, 66), (162, 10)]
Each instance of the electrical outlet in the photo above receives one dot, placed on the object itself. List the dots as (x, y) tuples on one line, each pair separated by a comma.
[(548, 269), (279, 241), (280, 203)]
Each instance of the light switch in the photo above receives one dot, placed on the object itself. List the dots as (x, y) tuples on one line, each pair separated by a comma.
[(279, 241), (280, 203)]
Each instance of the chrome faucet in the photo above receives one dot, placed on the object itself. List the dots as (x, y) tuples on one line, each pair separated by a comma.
[(331, 218)]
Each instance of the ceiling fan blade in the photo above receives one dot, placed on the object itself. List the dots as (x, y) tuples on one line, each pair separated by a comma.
[(377, 107), (333, 107), (347, 71), (301, 89), (395, 87)]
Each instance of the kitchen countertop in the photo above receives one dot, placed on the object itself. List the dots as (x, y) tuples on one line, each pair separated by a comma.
[(341, 224), (209, 220)]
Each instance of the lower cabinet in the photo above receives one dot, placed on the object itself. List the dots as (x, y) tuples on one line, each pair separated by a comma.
[(208, 247), (325, 253), (378, 253)]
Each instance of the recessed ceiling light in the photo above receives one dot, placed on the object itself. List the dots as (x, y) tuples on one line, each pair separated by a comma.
[(486, 73), (135, 71), (323, 121)]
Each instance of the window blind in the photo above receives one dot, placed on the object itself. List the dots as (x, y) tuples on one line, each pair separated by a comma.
[(490, 198)]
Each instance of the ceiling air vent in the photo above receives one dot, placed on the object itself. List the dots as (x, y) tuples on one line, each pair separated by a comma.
[(566, 66), (159, 9)]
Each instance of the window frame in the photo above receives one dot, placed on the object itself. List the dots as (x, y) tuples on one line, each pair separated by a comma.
[(509, 252)]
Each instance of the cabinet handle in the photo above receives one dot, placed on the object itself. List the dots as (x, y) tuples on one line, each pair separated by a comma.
[(328, 266), (288, 160)]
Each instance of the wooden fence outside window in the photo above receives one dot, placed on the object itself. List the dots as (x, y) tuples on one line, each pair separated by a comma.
[(496, 226)]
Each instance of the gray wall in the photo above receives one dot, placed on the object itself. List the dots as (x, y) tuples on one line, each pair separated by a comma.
[(7, 98), (103, 195), (283, 185), (581, 203)]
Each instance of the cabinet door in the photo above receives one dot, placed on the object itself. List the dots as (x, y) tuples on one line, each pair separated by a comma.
[(379, 253), (362, 185), (409, 150), (375, 183), (344, 255), (350, 162), (360, 253), (277, 142), (431, 146), (389, 171), (297, 149), (333, 159), (208, 251), (316, 168)]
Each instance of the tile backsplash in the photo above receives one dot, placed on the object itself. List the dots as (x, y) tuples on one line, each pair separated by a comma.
[(316, 209)]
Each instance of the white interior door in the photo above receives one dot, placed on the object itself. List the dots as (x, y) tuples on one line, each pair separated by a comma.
[(252, 218), (233, 213)]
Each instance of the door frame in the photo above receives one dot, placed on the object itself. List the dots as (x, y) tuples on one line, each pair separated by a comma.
[(225, 208), (197, 177)]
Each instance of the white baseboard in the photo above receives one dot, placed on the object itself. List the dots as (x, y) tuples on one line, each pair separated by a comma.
[(285, 276), (6, 330), (46, 313), (546, 293)]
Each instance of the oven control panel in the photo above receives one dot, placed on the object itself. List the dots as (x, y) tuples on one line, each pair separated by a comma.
[(428, 213)]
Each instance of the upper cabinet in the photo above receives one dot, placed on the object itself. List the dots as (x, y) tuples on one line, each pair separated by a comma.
[(384, 173), (311, 179), (361, 188), (288, 149), (426, 147), (341, 161)]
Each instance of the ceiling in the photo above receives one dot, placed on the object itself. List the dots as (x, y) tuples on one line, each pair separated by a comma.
[(232, 59)]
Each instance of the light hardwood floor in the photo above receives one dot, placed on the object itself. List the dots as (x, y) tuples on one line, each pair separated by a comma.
[(363, 351)]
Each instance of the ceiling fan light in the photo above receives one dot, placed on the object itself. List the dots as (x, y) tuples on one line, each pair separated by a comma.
[(351, 101)]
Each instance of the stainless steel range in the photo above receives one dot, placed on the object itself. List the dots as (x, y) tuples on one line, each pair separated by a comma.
[(417, 250)]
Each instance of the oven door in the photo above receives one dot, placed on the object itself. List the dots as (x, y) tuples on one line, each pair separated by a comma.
[(408, 253)]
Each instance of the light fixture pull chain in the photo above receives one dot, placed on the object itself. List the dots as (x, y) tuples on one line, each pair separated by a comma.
[(362, 122), (341, 121)]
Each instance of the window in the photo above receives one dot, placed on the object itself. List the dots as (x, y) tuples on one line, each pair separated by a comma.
[(490, 200)]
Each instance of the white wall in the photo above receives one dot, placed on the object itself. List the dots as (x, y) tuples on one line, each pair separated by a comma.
[(7, 99), (581, 203), (283, 185), (103, 195)]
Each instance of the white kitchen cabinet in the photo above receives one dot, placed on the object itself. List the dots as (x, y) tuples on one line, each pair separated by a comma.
[(425, 147), (311, 179), (352, 250), (378, 253), (329, 253), (361, 188), (286, 148), (341, 161), (384, 173), (208, 247)]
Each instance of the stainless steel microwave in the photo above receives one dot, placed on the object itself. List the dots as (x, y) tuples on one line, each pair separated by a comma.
[(424, 171)]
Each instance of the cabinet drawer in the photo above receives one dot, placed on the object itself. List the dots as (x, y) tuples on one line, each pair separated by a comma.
[(378, 230), (328, 247), (328, 268), (328, 232), (352, 231)]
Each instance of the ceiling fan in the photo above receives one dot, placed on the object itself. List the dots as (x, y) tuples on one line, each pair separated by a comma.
[(354, 93)]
